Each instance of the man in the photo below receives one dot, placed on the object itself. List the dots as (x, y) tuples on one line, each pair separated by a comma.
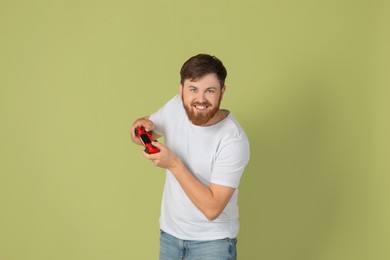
[(204, 155)]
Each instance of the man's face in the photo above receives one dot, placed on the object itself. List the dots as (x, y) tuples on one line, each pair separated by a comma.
[(201, 99)]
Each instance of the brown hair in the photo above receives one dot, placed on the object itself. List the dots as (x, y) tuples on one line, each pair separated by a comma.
[(200, 65)]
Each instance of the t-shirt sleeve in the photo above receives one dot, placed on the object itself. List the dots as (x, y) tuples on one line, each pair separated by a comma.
[(161, 116), (230, 163)]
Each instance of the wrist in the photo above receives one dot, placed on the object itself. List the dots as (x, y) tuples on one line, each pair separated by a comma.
[(174, 165)]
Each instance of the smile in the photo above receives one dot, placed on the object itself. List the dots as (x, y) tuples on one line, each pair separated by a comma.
[(200, 107)]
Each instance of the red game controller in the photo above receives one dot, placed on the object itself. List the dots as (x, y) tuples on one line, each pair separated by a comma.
[(146, 139)]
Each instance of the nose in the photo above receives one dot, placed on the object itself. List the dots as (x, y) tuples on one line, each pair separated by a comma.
[(200, 96)]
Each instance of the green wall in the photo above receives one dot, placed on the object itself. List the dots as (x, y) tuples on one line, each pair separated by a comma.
[(308, 80)]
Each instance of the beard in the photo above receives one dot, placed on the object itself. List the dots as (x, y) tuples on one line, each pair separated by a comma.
[(199, 118)]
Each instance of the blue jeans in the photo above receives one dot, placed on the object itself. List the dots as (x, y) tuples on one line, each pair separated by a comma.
[(172, 248)]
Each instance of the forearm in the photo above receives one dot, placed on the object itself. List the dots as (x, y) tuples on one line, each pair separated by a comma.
[(211, 201), (200, 195)]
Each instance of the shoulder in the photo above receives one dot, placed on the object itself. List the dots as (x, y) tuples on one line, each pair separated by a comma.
[(175, 101), (170, 108), (232, 129), (165, 117), (232, 135)]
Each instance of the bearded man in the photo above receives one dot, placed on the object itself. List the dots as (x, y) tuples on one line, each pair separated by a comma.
[(205, 154)]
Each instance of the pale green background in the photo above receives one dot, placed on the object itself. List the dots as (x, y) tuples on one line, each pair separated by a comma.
[(308, 80)]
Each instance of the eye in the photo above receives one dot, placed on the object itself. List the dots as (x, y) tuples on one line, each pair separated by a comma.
[(210, 91), (193, 90)]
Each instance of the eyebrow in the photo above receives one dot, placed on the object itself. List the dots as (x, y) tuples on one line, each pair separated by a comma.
[(192, 86)]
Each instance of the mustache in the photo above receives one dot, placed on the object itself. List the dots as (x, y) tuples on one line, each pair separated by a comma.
[(201, 104)]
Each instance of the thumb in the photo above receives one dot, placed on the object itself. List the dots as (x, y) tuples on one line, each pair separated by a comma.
[(157, 144)]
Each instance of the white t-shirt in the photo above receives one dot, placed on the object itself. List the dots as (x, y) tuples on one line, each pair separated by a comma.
[(213, 154)]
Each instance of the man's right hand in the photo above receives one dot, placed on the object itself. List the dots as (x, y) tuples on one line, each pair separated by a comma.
[(145, 122)]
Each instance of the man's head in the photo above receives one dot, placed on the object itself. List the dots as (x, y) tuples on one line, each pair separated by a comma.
[(199, 65), (201, 88)]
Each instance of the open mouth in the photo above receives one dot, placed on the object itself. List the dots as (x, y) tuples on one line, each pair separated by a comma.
[(201, 107)]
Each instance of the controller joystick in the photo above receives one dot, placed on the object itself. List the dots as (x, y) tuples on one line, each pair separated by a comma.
[(146, 139)]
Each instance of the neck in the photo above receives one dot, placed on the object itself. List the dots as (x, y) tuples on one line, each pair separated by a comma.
[(219, 116)]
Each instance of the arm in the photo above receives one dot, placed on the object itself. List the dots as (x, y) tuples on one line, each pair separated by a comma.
[(211, 201), (148, 124)]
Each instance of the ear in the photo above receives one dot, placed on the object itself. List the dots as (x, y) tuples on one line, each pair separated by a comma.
[(181, 91), (223, 91)]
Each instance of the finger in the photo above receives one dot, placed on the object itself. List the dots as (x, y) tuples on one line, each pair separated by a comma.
[(149, 156), (132, 131), (148, 126), (157, 144), (134, 126), (144, 154)]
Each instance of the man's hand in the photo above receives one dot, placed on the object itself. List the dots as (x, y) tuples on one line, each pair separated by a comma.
[(165, 158), (145, 122)]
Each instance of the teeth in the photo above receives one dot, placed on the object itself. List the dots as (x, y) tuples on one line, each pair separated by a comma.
[(201, 107)]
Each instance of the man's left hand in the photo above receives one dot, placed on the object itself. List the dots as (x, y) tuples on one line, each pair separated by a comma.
[(165, 158)]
